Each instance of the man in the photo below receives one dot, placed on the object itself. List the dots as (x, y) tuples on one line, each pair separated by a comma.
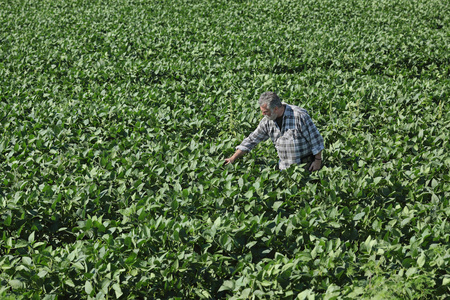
[(291, 130)]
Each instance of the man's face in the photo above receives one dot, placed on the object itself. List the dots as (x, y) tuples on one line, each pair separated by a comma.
[(268, 113)]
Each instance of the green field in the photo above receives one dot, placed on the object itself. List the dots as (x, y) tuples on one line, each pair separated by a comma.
[(116, 117)]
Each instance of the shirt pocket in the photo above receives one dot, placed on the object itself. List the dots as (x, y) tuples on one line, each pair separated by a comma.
[(287, 146)]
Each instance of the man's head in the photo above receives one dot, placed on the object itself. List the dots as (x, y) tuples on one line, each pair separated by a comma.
[(270, 105)]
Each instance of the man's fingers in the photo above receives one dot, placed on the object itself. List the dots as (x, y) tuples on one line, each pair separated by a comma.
[(313, 167)]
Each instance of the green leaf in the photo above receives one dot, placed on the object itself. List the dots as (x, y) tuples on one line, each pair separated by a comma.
[(31, 238), (240, 182), (27, 260), (251, 244), (274, 176), (377, 180), (8, 220), (227, 285), (117, 290), (69, 282), (245, 294), (265, 283), (16, 284), (359, 216), (217, 222), (411, 271), (176, 235), (88, 288), (289, 229), (277, 204), (9, 242), (105, 285), (434, 183), (42, 274), (175, 204), (421, 260), (131, 258), (224, 239), (304, 256), (78, 266)]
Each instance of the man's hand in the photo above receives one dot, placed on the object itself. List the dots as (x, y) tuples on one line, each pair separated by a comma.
[(228, 161), (235, 156), (315, 165)]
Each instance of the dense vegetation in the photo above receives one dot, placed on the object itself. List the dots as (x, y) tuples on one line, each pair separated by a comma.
[(116, 117)]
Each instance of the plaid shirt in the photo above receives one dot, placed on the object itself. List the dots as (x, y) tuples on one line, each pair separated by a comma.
[(298, 137)]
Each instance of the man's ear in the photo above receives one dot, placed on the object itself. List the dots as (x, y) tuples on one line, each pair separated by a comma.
[(276, 110)]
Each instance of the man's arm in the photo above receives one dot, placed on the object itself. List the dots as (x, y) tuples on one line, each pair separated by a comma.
[(236, 155), (257, 136), (315, 139)]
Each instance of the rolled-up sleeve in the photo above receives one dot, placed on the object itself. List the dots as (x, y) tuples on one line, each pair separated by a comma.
[(311, 134), (259, 135)]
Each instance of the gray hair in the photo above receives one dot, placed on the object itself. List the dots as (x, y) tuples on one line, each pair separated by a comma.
[(271, 99)]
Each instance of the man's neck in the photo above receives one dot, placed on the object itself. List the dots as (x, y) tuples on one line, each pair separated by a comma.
[(282, 111)]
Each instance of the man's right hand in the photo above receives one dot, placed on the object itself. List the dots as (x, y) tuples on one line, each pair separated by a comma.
[(235, 156), (228, 161)]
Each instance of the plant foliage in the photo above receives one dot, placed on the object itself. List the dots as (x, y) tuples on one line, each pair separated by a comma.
[(116, 117)]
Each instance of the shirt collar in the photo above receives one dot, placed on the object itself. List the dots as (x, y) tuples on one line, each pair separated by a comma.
[(288, 112)]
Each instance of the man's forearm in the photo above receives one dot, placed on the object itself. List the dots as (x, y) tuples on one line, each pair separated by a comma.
[(235, 156), (239, 153), (318, 156)]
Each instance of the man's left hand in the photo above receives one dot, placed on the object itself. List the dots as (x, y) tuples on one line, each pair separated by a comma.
[(315, 165)]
